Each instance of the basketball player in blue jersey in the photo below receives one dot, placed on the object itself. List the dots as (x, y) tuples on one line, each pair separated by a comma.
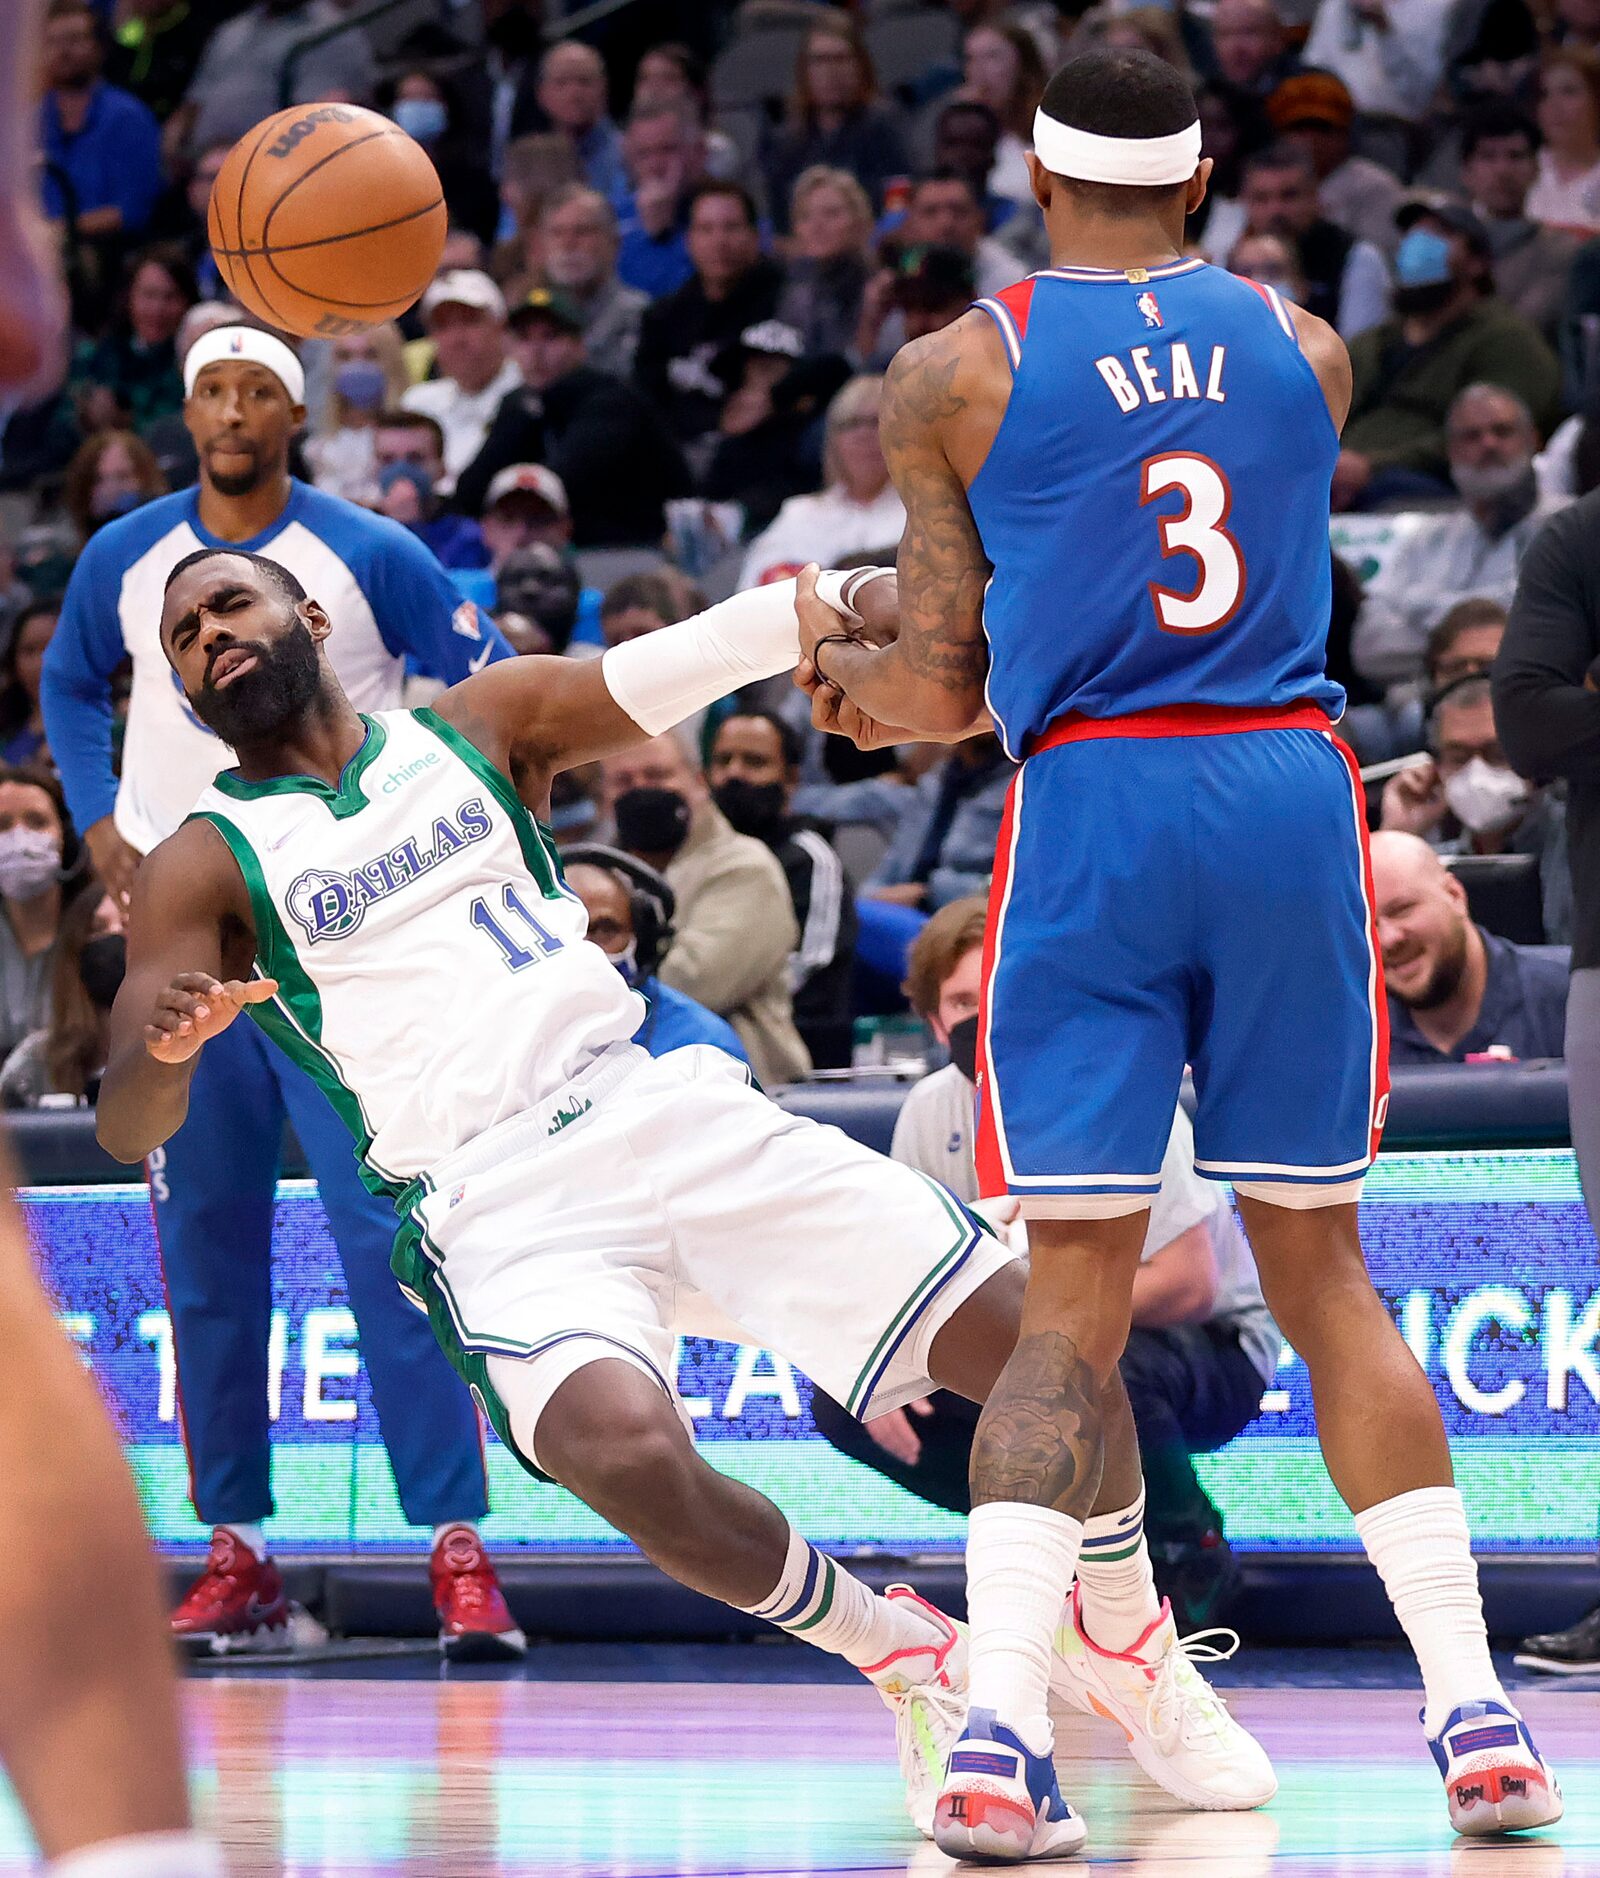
[(1116, 479), (569, 1204), (213, 1185)]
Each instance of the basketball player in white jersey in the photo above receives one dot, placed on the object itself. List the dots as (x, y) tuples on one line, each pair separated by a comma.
[(567, 1204)]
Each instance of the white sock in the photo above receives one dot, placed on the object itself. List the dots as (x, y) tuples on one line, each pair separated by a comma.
[(1020, 1561), (817, 1600), (453, 1525), (251, 1537), (1115, 1582), (1420, 1544), (148, 1855)]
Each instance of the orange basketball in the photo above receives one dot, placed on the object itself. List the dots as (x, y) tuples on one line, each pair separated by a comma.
[(326, 219)]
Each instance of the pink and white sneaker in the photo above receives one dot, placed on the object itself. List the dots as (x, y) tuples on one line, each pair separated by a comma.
[(925, 1689), (1177, 1727)]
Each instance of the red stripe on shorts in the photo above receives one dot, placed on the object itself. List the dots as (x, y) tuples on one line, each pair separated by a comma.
[(991, 1166), (1182, 720), (1380, 996)]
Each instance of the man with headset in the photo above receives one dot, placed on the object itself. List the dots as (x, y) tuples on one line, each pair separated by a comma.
[(631, 909)]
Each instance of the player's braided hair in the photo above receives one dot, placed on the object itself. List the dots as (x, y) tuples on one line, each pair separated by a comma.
[(1114, 92)]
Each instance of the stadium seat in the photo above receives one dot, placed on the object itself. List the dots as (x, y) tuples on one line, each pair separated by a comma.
[(1503, 894)]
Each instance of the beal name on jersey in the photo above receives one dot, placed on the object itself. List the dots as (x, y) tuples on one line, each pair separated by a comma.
[(1140, 382)]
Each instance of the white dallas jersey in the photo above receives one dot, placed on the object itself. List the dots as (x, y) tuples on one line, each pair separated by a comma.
[(434, 971)]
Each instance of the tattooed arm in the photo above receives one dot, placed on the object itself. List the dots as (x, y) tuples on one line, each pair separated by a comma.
[(942, 401)]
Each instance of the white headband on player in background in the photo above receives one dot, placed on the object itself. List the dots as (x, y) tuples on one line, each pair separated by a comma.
[(245, 342), (1142, 161)]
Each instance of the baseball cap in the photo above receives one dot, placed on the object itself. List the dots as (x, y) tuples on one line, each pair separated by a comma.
[(245, 342), (552, 304), (529, 479), (1311, 98), (464, 286), (1455, 216)]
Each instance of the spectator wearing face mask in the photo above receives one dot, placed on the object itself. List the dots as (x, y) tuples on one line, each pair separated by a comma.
[(1465, 798), (414, 442), (1456, 991), (753, 770), (111, 474), (526, 507), (735, 925), (426, 106), (33, 836), (369, 375), (1448, 331), (22, 738), (631, 910), (1473, 553), (60, 1064)]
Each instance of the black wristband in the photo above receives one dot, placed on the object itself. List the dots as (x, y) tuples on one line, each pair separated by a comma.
[(830, 639)]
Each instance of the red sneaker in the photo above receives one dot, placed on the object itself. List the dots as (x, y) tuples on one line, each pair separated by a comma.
[(236, 1603), (475, 1623)]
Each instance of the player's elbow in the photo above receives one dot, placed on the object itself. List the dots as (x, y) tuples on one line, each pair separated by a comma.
[(943, 712), (122, 1141)]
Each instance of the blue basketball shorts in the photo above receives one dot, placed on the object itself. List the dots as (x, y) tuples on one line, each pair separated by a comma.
[(1182, 887)]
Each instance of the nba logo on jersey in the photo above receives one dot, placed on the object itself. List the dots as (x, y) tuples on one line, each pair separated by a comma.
[(1150, 308)]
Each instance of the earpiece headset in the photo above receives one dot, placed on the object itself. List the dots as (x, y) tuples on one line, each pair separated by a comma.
[(651, 901)]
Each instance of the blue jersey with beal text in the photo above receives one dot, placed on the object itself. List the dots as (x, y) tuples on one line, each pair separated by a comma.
[(1155, 502)]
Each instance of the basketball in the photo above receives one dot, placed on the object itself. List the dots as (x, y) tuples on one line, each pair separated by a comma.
[(326, 219)]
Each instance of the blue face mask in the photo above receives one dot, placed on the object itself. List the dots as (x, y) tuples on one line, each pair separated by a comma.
[(422, 118), (1422, 259), (361, 382)]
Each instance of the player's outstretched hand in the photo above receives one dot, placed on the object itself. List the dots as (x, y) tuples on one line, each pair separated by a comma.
[(895, 1434), (196, 1007)]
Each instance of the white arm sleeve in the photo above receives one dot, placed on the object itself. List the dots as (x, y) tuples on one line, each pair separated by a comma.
[(664, 677)]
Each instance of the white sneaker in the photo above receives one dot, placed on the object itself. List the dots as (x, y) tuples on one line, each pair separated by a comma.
[(925, 1689), (1178, 1729)]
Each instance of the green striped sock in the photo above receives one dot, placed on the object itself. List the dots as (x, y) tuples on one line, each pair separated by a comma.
[(817, 1600), (1118, 1588)]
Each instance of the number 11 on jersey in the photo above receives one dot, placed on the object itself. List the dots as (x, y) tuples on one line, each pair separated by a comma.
[(516, 955)]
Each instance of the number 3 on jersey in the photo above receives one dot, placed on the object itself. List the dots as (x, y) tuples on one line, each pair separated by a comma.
[(1198, 529)]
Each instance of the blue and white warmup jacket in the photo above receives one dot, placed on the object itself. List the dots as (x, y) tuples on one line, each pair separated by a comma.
[(387, 596)]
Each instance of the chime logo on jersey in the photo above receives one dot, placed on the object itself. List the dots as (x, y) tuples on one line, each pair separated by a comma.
[(1150, 308), (330, 905)]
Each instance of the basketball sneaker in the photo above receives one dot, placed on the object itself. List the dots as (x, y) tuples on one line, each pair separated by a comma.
[(1494, 1777), (1001, 1801), (236, 1603), (1178, 1728), (475, 1622), (925, 1688)]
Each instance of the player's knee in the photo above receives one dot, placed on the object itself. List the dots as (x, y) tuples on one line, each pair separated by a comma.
[(623, 1460)]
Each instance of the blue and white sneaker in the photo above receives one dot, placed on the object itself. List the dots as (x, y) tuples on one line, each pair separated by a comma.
[(1001, 1801), (1494, 1777)]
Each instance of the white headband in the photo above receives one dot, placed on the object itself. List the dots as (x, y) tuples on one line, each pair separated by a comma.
[(245, 342), (1147, 161)]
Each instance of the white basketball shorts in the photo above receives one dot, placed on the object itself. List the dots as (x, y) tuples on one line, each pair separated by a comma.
[(662, 1197)]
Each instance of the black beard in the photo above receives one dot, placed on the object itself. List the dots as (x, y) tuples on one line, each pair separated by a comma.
[(269, 700), (240, 484), (1444, 981)]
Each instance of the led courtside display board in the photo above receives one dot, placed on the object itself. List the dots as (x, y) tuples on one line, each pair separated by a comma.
[(1486, 1259)]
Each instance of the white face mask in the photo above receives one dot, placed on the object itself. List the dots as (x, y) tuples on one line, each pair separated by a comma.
[(1485, 799), (30, 862)]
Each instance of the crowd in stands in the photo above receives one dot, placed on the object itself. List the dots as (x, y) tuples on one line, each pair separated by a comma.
[(649, 370)]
